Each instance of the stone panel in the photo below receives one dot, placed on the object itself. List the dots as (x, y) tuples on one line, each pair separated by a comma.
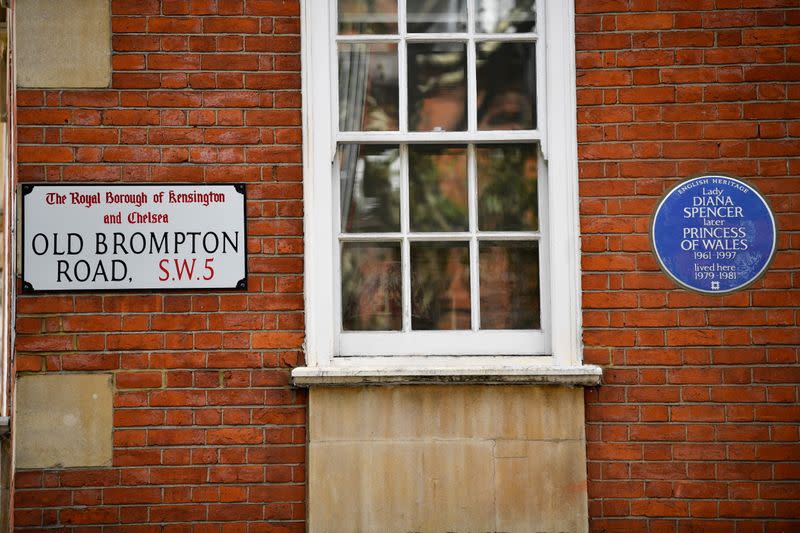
[(63, 420), (63, 43), (447, 458), (401, 486), (459, 411)]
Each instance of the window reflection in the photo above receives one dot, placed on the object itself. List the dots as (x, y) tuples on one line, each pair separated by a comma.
[(437, 86), (509, 285), (438, 188), (505, 16), (440, 293), (368, 87), (506, 75), (371, 286), (370, 188), (507, 187), (436, 16), (367, 16)]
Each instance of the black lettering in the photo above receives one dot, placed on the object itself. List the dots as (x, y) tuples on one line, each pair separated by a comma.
[(118, 275), (63, 267), (101, 270), (33, 244), (194, 235), (119, 242), (180, 238), (132, 244), (205, 243), (70, 241), (83, 264), (227, 239), (155, 244), (100, 240), (55, 245)]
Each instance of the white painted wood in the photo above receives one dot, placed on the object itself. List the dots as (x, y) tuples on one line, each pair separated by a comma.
[(438, 137), (455, 342), (405, 224), (474, 263), (488, 373), (564, 245), (433, 37), (541, 74), (402, 71), (558, 344), (441, 236), (318, 76)]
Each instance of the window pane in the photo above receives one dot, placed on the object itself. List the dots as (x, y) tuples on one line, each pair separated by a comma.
[(509, 283), (437, 86), (368, 90), (440, 297), (506, 85), (438, 188), (437, 16), (371, 286), (507, 187), (367, 16), (505, 16), (370, 188)]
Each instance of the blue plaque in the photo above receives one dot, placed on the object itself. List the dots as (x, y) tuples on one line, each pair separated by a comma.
[(714, 234)]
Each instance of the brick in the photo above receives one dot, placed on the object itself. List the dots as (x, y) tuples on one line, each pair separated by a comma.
[(272, 8), (694, 427)]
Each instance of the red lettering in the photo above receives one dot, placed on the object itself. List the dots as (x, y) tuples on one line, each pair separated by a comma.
[(163, 269), (183, 267), (209, 269)]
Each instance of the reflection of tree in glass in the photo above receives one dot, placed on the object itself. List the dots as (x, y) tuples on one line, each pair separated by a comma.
[(507, 187), (436, 16), (509, 285), (437, 86), (368, 87), (506, 77), (371, 287), (382, 99), (440, 292), (438, 188), (370, 187), (367, 16), (505, 16)]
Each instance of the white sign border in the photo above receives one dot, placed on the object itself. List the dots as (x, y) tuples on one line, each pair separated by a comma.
[(27, 188)]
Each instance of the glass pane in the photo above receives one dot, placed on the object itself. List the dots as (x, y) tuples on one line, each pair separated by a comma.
[(368, 90), (438, 188), (507, 187), (437, 16), (371, 286), (506, 85), (367, 16), (509, 285), (437, 86), (370, 188), (505, 16), (440, 297)]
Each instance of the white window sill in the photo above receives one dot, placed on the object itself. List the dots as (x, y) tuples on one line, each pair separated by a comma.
[(584, 375)]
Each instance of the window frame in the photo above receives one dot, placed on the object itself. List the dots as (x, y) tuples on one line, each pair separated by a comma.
[(558, 138)]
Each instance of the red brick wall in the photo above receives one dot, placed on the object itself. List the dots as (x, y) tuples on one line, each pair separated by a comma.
[(206, 428), (696, 425)]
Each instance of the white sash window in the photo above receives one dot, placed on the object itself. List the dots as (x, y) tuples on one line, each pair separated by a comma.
[(440, 186)]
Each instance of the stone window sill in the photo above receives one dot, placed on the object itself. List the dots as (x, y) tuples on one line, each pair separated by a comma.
[(584, 375)]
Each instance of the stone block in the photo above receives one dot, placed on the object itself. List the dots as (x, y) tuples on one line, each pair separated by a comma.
[(447, 458), (63, 420), (63, 43)]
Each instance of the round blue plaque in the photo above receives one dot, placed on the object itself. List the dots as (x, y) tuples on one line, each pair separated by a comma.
[(714, 234)]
